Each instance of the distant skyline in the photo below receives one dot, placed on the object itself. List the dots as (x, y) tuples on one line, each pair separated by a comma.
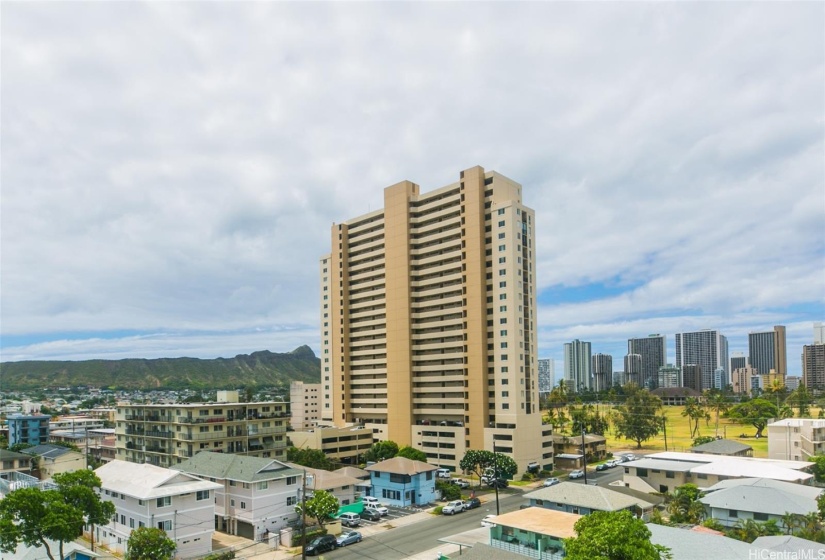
[(170, 171)]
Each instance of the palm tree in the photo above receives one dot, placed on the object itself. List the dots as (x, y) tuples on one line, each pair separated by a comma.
[(790, 521), (746, 530), (717, 402)]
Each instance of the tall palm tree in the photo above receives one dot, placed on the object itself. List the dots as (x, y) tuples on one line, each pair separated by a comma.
[(718, 403), (790, 521)]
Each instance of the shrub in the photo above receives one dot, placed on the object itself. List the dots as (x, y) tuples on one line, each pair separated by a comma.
[(437, 510)]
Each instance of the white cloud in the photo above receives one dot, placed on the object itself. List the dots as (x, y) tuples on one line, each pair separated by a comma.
[(175, 167)]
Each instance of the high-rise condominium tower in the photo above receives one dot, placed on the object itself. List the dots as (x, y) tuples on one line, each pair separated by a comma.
[(547, 375), (602, 369), (429, 323), (819, 333), (577, 366), (653, 351), (633, 369), (707, 349), (738, 360), (768, 351), (813, 366)]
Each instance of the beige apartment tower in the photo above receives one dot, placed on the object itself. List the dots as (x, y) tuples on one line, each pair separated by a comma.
[(429, 324)]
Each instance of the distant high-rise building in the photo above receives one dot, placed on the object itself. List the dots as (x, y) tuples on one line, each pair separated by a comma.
[(792, 382), (618, 378), (428, 318), (547, 375), (577, 365), (819, 333), (653, 351), (738, 360), (813, 366), (720, 378), (741, 379), (633, 369), (707, 349), (602, 370), (692, 377), (669, 376), (767, 351)]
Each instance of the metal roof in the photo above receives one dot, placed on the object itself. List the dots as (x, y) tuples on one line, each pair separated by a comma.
[(591, 497), (762, 495), (242, 468), (146, 482)]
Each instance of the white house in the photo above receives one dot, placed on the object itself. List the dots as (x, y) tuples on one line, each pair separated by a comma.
[(256, 495), (146, 495)]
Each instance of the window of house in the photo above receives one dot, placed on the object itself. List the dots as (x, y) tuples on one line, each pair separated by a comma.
[(760, 516), (165, 525), (291, 500), (291, 480), (131, 523), (263, 485), (166, 501), (243, 505), (733, 513), (641, 472), (202, 495), (670, 474)]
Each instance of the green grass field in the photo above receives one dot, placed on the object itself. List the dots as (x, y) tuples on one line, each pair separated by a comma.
[(678, 433)]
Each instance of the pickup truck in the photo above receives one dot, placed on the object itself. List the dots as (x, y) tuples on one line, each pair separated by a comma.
[(456, 506)]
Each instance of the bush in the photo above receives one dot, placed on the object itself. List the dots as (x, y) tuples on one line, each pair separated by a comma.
[(437, 510), (545, 474), (448, 491), (527, 477), (229, 555)]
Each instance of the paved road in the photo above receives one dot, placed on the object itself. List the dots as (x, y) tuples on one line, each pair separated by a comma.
[(403, 542)]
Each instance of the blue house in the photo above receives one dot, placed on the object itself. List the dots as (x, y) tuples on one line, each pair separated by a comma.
[(32, 429), (402, 482)]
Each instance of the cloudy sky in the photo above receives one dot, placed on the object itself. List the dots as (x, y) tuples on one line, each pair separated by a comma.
[(170, 171)]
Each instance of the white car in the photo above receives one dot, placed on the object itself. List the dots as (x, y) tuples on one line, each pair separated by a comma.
[(488, 521), (370, 500), (379, 509), (443, 473), (550, 482), (456, 506), (578, 473), (611, 464)]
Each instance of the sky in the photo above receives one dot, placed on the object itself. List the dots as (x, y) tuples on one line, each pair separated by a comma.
[(170, 171)]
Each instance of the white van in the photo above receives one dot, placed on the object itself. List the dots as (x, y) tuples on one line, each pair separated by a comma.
[(442, 473), (370, 500)]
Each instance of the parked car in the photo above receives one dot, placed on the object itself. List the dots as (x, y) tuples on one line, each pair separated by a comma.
[(382, 511), (369, 501), (488, 521), (498, 483), (472, 503), (350, 519), (370, 515), (601, 467), (321, 544), (456, 506), (578, 473), (443, 473), (550, 482), (461, 483), (348, 538), (612, 463)]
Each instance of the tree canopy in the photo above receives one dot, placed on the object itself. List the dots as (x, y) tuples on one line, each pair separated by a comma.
[(322, 506), (33, 516), (412, 453), (616, 535), (477, 461), (381, 450), (637, 418), (150, 543), (756, 412), (312, 458)]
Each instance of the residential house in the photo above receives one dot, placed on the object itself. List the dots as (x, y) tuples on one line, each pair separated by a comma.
[(363, 486), (568, 450), (53, 459), (533, 532), (582, 499), (11, 461), (149, 496), (796, 438), (403, 482), (696, 543), (339, 485), (343, 445), (256, 495), (724, 447), (664, 472), (760, 499)]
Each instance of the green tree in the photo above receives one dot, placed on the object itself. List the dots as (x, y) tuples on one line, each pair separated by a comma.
[(312, 458), (694, 412), (685, 507), (718, 403), (412, 453), (614, 535), (756, 412), (791, 521), (636, 419), (478, 461), (819, 467), (78, 490), (150, 543), (448, 491), (801, 399), (322, 506), (381, 450), (33, 517), (701, 440)]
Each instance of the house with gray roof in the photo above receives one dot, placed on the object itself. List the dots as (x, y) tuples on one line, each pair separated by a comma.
[(584, 498), (786, 546), (53, 459), (727, 447), (760, 499), (339, 485), (688, 544), (256, 495), (11, 461)]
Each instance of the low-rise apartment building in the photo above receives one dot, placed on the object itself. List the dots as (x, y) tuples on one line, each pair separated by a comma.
[(150, 496), (796, 439), (167, 434), (55, 459), (343, 445), (256, 495), (32, 429), (11, 461)]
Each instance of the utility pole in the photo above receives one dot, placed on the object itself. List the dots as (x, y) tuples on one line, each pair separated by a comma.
[(584, 456), (304, 517), (495, 475), (664, 426)]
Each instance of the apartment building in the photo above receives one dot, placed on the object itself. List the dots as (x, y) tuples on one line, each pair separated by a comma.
[(343, 445), (707, 349), (813, 366), (304, 404), (767, 351), (578, 372), (166, 434), (428, 319), (796, 439), (653, 351), (150, 496), (28, 428), (602, 371)]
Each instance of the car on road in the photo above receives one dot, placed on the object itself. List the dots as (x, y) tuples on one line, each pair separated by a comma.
[(578, 473), (351, 537), (601, 467), (321, 544), (488, 521), (456, 506), (461, 483), (612, 463), (550, 482), (350, 519), (498, 483), (472, 503), (382, 511), (370, 515)]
